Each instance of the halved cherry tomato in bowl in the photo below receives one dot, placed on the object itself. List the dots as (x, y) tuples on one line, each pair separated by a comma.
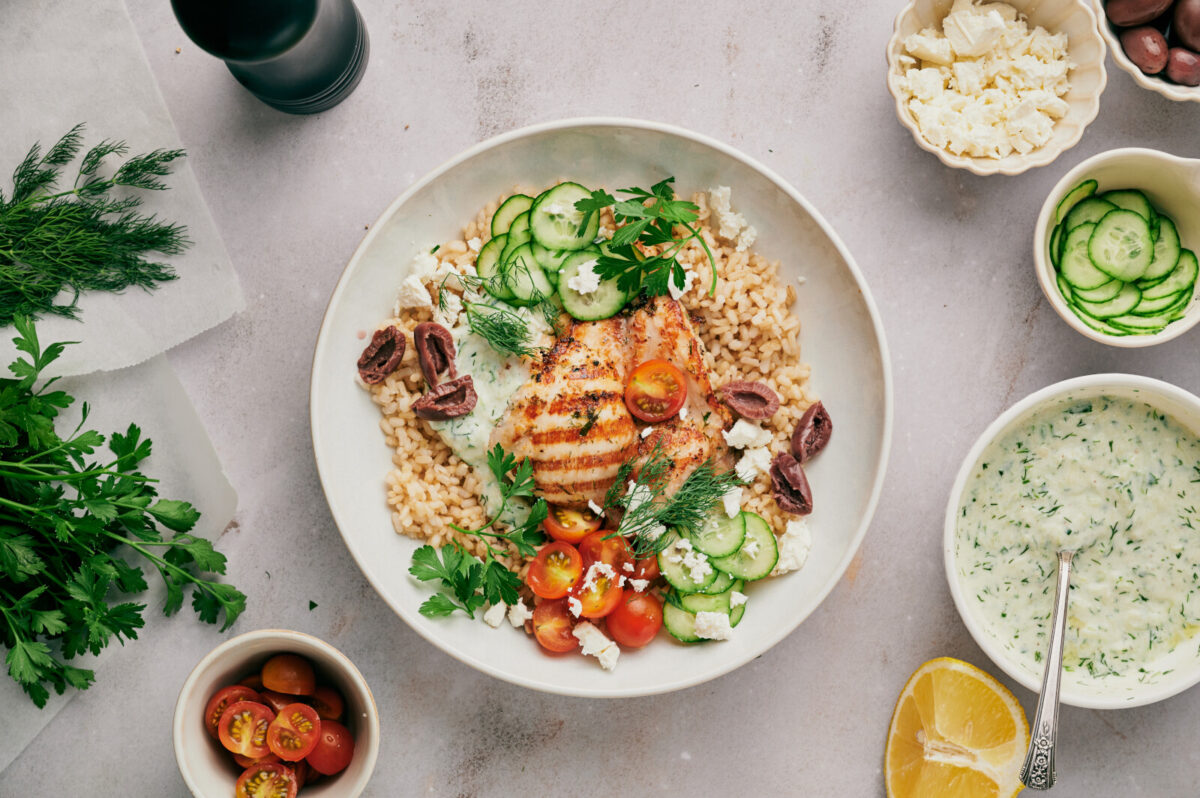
[(328, 703), (243, 728), (636, 619), (289, 673), (600, 588), (268, 780), (645, 568), (607, 547), (245, 761), (276, 701), (570, 525), (555, 570), (553, 625), (655, 391), (294, 732), (220, 702), (334, 749)]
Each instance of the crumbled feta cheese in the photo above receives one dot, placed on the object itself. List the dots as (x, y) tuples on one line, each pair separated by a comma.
[(750, 548), (689, 277), (560, 209), (495, 615), (646, 431), (794, 544), (713, 626), (692, 561), (929, 46), (972, 33), (585, 281), (683, 412), (475, 244), (518, 613), (731, 225), (448, 315), (736, 599), (654, 532), (595, 508), (639, 585), (605, 232), (595, 644), (636, 496), (754, 462), (575, 605), (732, 499), (627, 567), (597, 571), (744, 435), (413, 294), (425, 265)]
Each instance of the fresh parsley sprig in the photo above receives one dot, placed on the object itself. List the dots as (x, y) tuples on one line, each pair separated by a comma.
[(68, 524), (466, 582), (647, 219)]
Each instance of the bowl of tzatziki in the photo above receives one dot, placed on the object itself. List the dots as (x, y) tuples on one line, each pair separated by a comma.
[(1107, 465)]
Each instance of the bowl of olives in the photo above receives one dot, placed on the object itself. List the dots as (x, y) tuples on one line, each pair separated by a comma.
[(1157, 42)]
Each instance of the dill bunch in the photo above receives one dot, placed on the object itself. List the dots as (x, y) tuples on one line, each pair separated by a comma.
[(61, 243)]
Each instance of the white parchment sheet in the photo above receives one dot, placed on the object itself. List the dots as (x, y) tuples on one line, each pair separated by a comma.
[(71, 61)]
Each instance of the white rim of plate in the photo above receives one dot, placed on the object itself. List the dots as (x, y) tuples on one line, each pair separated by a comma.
[(614, 122), (986, 641)]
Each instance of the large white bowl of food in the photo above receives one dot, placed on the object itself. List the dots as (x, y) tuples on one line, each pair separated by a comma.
[(560, 387), (1106, 465)]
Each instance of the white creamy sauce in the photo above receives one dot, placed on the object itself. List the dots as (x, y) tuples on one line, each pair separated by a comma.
[(1118, 482), (496, 378)]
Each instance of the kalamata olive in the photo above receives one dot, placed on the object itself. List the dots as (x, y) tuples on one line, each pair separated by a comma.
[(1183, 66), (435, 351), (1146, 47), (790, 486), (812, 433), (382, 356), (1186, 25), (750, 399), (448, 400), (1128, 13)]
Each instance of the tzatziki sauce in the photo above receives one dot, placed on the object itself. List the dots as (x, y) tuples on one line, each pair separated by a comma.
[(1114, 479)]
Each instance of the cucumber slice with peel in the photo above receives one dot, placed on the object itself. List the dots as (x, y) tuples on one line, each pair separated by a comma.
[(1122, 303), (1077, 268), (1101, 293), (1122, 245), (525, 278), (720, 535), (510, 209), (671, 564), (1131, 200), (681, 624), (1166, 251), (1073, 197), (1181, 278), (487, 265), (757, 555), (555, 221), (607, 300), (1091, 209)]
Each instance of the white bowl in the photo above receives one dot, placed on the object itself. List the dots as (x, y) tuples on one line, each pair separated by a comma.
[(209, 771), (1111, 693), (1088, 78), (1172, 91), (842, 338), (1171, 183)]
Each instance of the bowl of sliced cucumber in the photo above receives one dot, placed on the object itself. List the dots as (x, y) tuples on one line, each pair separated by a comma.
[(1112, 242)]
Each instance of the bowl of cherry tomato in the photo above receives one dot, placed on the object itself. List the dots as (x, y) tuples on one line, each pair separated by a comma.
[(276, 713)]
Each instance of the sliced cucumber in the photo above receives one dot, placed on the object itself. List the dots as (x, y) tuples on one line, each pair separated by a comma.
[(681, 624), (1076, 195), (607, 300), (1122, 245), (712, 602), (751, 566), (1181, 278), (1141, 325), (1166, 250), (557, 224), (1064, 288), (1131, 200), (525, 278), (1122, 303), (1101, 293), (510, 209), (487, 265), (735, 615), (720, 584), (677, 575), (1097, 324), (1092, 209), (1077, 268), (720, 535), (551, 261), (518, 234), (1056, 245), (1154, 307)]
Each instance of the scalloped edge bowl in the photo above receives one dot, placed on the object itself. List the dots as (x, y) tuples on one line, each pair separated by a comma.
[(1172, 91), (1088, 79)]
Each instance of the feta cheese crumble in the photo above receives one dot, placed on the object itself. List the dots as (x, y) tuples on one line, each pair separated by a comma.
[(636, 496), (575, 605), (646, 431), (475, 244), (689, 277), (754, 462), (986, 85), (595, 644), (744, 435), (639, 585), (750, 548), (518, 613), (595, 508), (794, 545), (585, 281), (597, 571), (713, 626), (736, 599), (448, 317), (731, 226), (694, 562), (413, 294), (732, 499), (683, 412), (495, 615)]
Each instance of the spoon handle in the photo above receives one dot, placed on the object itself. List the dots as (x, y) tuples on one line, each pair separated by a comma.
[(1037, 773)]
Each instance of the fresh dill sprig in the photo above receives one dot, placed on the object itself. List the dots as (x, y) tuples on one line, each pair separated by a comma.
[(504, 330), (81, 239)]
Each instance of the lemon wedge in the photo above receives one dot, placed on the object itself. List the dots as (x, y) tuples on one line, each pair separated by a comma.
[(956, 733)]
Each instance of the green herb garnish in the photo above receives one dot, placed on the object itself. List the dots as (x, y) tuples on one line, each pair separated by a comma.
[(81, 239), (67, 527)]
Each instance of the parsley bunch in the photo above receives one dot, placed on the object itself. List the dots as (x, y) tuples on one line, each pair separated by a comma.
[(68, 525), (648, 218)]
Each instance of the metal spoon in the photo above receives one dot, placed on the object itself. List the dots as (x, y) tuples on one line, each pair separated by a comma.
[(1037, 773)]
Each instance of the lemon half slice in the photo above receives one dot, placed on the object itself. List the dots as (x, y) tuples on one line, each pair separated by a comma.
[(956, 733)]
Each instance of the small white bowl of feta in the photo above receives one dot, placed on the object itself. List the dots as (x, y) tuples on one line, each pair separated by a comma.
[(996, 87)]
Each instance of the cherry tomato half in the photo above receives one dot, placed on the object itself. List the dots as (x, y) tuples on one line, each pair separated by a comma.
[(268, 780), (294, 732), (645, 568), (655, 391), (220, 702), (253, 681), (553, 625), (245, 761), (599, 591), (328, 703), (334, 750), (609, 548), (289, 673), (555, 569), (243, 728), (276, 701), (571, 526), (636, 619)]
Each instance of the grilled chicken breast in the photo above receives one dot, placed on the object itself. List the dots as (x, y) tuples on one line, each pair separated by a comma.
[(570, 419), (661, 329)]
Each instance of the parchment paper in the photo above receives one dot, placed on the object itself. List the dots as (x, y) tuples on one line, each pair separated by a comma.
[(71, 61), (184, 461)]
